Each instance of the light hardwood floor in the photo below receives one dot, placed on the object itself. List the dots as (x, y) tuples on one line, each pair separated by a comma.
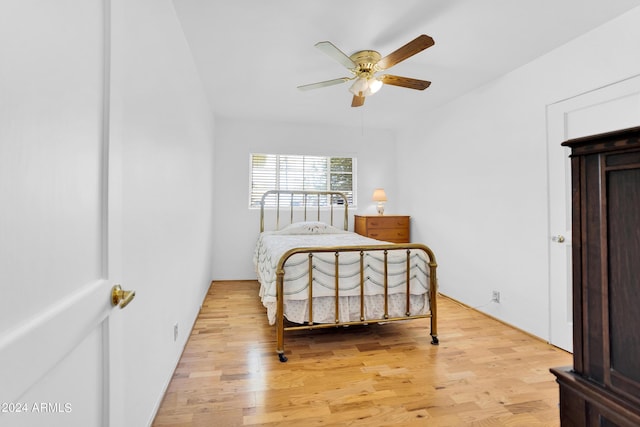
[(483, 373)]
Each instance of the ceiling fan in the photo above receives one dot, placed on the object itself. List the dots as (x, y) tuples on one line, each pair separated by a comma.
[(365, 64)]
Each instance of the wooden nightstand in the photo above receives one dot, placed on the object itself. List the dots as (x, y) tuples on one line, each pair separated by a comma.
[(390, 228)]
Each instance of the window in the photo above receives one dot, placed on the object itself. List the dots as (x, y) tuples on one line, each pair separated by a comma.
[(292, 172)]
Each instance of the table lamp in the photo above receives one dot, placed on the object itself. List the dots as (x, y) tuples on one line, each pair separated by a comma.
[(380, 197)]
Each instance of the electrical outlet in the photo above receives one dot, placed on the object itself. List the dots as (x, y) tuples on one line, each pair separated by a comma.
[(175, 332), (495, 296)]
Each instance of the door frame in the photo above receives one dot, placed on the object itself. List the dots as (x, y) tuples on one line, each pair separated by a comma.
[(603, 109)]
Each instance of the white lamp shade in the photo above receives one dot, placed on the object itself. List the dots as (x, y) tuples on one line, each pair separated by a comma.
[(379, 195), (365, 86), (359, 86), (374, 86)]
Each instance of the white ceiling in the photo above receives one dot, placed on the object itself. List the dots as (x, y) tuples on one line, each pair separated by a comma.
[(253, 53)]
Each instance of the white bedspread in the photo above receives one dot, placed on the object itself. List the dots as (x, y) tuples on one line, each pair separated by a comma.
[(272, 245)]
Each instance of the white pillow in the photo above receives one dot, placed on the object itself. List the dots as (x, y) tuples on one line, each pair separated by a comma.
[(310, 227)]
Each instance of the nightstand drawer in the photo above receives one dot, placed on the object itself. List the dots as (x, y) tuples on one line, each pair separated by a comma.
[(388, 222), (390, 234)]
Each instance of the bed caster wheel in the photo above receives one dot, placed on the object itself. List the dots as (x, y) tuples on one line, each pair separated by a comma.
[(282, 357), (434, 340)]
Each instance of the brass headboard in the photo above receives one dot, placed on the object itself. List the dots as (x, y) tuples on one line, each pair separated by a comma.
[(336, 199)]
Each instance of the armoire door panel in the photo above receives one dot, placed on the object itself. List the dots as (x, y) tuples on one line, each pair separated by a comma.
[(623, 201)]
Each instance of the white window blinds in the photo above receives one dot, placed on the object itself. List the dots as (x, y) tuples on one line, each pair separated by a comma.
[(294, 172)]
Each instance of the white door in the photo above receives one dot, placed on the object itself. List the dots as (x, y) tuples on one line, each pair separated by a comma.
[(59, 218), (612, 107)]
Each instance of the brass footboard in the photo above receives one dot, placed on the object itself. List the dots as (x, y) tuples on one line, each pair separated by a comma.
[(337, 250)]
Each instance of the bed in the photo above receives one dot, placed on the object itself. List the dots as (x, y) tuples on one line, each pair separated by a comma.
[(314, 273)]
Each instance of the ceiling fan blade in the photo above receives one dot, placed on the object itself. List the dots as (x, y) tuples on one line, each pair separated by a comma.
[(358, 101), (337, 54), (405, 82), (416, 45), (324, 84)]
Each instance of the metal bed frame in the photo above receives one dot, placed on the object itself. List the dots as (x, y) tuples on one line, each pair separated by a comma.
[(340, 199), (337, 250)]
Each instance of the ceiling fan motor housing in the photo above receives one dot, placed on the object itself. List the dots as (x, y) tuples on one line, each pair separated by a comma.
[(366, 61)]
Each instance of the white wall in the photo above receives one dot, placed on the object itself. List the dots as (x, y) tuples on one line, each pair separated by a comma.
[(485, 209), (164, 124), (237, 226)]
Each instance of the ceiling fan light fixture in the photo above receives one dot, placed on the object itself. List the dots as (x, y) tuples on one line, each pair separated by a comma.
[(374, 86), (359, 86), (365, 86)]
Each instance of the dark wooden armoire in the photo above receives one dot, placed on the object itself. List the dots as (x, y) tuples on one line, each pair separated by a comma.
[(603, 386)]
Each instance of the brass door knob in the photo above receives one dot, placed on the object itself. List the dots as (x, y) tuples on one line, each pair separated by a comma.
[(121, 297), (558, 239)]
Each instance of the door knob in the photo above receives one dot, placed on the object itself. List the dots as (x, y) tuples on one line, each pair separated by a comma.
[(558, 239), (121, 297)]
